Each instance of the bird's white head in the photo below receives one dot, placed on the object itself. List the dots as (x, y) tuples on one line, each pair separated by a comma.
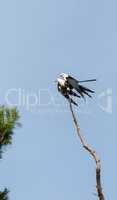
[(62, 78), (63, 75)]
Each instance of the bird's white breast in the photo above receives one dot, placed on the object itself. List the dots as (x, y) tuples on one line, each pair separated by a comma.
[(61, 81)]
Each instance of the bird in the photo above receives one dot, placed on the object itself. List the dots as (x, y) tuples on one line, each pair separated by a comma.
[(70, 87)]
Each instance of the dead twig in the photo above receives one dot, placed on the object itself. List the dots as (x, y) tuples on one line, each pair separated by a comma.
[(92, 152)]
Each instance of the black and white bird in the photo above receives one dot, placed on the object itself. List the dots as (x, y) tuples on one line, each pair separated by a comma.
[(70, 87)]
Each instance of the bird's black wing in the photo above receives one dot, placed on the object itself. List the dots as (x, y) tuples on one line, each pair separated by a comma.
[(73, 84), (89, 80)]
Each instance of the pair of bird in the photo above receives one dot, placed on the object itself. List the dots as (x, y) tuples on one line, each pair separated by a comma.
[(70, 87)]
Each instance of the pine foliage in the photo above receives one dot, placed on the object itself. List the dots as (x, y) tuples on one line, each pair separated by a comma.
[(4, 194), (9, 120)]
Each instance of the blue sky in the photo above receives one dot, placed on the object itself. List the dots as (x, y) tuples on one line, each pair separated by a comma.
[(38, 40)]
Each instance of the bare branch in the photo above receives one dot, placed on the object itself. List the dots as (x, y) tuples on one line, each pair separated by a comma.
[(92, 152)]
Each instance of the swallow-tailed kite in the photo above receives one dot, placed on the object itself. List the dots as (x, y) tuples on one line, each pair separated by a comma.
[(70, 87)]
